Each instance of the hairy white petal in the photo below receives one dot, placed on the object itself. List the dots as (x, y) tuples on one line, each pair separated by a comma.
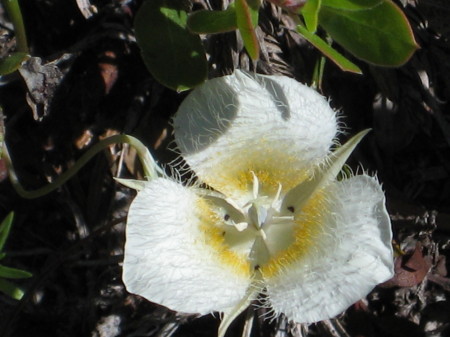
[(271, 125), (167, 259), (350, 257)]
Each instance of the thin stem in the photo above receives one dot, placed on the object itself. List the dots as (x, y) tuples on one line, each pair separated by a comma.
[(248, 325), (151, 169), (13, 9), (318, 73)]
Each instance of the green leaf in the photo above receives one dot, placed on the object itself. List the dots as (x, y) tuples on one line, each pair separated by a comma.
[(5, 227), (340, 60), (253, 6), (14, 14), (12, 62), (247, 19), (11, 289), (173, 55), (375, 31), (2, 255), (352, 5), (310, 12), (8, 272), (212, 22), (293, 6)]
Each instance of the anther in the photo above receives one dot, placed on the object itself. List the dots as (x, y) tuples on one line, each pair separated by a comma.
[(291, 209), (226, 217)]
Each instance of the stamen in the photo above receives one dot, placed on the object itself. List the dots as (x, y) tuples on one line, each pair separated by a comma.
[(263, 235), (241, 226), (255, 185), (277, 196), (257, 215), (282, 220)]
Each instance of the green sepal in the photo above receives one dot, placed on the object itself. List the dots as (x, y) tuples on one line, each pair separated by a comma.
[(229, 316), (137, 185), (300, 194)]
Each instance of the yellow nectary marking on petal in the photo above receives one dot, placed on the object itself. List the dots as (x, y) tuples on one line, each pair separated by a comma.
[(269, 179), (214, 236), (306, 233), (244, 180), (272, 167)]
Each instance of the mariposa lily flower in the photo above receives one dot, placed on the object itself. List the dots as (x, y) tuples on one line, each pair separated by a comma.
[(274, 223)]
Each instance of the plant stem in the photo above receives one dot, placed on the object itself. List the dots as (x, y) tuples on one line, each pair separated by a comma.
[(150, 167), (316, 82), (13, 9)]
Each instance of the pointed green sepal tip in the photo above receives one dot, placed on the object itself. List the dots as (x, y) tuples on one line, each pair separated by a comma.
[(300, 194), (233, 313), (137, 185)]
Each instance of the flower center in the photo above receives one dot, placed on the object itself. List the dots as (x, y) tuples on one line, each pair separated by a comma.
[(261, 234), (265, 229)]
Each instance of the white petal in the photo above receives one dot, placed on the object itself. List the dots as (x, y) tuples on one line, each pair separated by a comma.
[(351, 254), (172, 259), (234, 125)]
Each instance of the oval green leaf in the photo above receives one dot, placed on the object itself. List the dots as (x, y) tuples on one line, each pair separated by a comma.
[(375, 31), (12, 62), (213, 22), (173, 55)]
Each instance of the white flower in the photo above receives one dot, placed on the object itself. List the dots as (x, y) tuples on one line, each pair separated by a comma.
[(276, 221)]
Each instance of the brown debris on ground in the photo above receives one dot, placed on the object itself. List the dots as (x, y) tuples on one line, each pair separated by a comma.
[(87, 81)]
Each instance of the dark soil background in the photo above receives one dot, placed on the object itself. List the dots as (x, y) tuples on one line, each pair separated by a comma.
[(88, 82)]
